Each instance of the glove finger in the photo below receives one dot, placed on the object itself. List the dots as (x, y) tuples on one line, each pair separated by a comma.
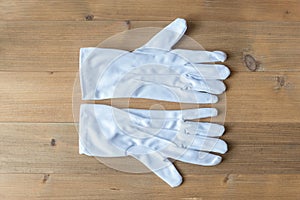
[(168, 93), (164, 87), (209, 71), (188, 114), (207, 85), (176, 120), (201, 143), (191, 156), (168, 137), (168, 129), (201, 56), (168, 37), (185, 83), (181, 136), (155, 119), (200, 158), (204, 129), (161, 166)]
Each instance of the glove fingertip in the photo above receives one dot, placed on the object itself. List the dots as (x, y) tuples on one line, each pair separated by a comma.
[(226, 73), (224, 147), (214, 112), (218, 160), (214, 99), (207, 159), (220, 55), (221, 130), (177, 25), (178, 183)]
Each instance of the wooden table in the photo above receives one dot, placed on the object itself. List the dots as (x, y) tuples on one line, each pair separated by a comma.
[(39, 45)]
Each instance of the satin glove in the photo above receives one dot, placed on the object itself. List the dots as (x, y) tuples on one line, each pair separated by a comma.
[(154, 71), (152, 137)]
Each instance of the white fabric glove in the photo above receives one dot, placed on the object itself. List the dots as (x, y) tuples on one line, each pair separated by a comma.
[(154, 71), (151, 137)]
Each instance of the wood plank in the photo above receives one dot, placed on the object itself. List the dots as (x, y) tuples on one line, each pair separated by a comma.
[(254, 148), (50, 46), (74, 186), (54, 46), (39, 44), (36, 96), (251, 97), (246, 10), (255, 97)]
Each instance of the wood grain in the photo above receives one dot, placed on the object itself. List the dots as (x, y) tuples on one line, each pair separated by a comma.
[(146, 186), (246, 10), (261, 163), (54, 46), (39, 45), (273, 148), (251, 97)]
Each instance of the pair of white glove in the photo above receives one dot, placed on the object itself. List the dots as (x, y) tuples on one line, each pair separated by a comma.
[(153, 71)]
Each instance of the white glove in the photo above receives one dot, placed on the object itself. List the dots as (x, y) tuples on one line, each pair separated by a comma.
[(105, 131), (154, 71)]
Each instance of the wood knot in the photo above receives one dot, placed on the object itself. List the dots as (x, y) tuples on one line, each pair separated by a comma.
[(280, 81), (89, 17), (128, 24), (46, 177), (227, 178), (250, 62), (53, 142), (113, 188)]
